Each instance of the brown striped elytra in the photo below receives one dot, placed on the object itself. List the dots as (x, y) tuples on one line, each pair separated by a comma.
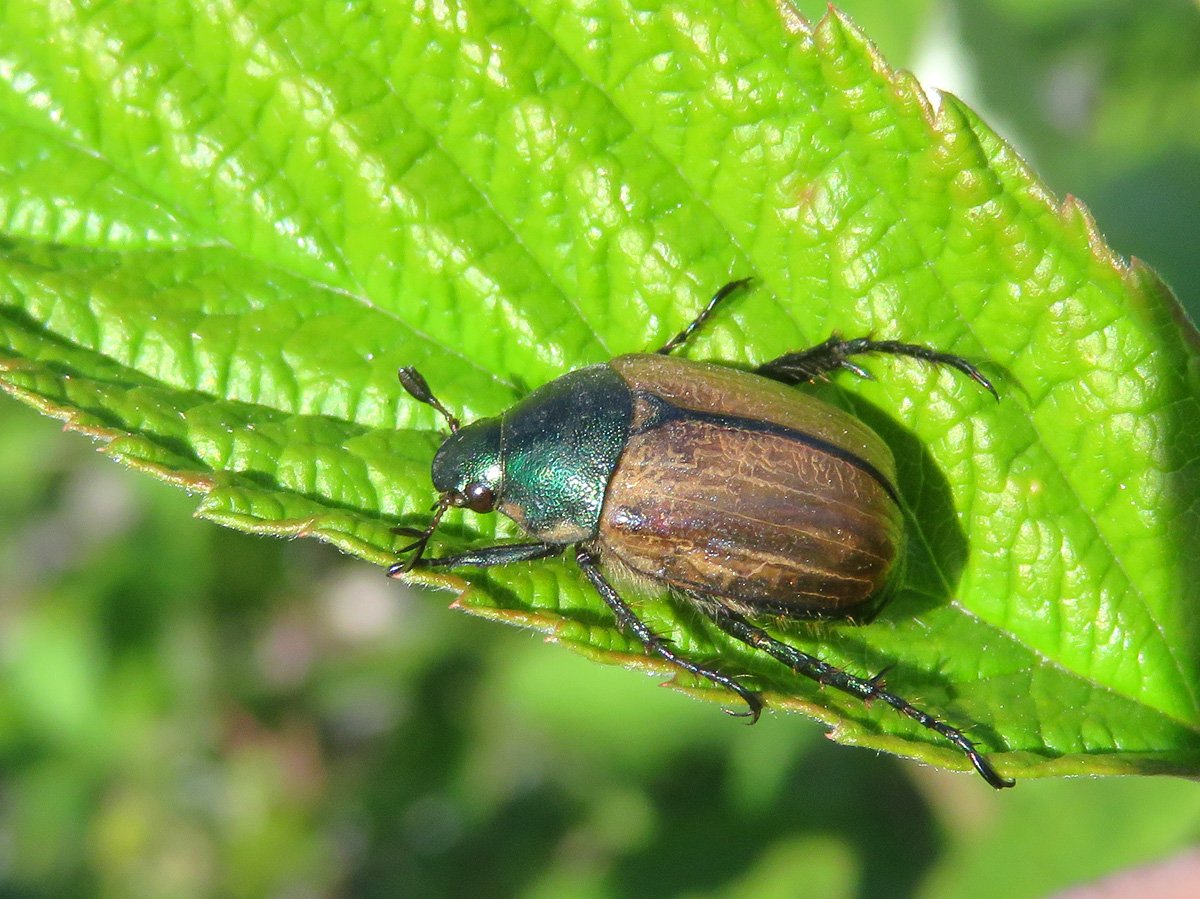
[(743, 496), (738, 487)]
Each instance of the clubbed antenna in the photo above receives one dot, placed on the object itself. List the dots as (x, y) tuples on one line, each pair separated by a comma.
[(418, 389)]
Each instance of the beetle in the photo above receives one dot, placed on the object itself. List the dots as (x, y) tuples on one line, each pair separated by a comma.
[(743, 496)]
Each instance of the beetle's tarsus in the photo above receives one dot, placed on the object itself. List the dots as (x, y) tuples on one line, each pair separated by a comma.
[(988, 773), (681, 338), (401, 531), (815, 362), (857, 370), (866, 689), (753, 710), (500, 554), (401, 568)]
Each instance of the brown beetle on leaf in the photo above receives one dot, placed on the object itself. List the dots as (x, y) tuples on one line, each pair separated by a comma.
[(743, 496)]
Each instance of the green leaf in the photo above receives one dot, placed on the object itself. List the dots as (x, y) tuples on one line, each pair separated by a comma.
[(225, 227)]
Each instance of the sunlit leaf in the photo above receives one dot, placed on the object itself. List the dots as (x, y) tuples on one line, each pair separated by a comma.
[(225, 226)]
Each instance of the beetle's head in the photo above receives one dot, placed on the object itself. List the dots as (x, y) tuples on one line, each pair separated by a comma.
[(466, 470)]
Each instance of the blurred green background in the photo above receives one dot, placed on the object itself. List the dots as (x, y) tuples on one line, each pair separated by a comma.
[(187, 711)]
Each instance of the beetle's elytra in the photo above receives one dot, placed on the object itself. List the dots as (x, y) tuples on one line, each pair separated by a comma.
[(744, 496)]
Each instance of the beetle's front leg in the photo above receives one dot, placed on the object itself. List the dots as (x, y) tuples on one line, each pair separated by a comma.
[(629, 622), (485, 557), (866, 689), (834, 353)]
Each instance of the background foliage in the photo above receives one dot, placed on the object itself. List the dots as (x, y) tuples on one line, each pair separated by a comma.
[(322, 734)]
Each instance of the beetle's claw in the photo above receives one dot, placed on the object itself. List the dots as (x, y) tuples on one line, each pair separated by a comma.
[(753, 709), (407, 532), (962, 365), (422, 535), (988, 773), (416, 561), (879, 680), (417, 548), (857, 370), (878, 684), (979, 378)]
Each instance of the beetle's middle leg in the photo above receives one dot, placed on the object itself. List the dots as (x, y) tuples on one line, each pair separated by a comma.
[(835, 353), (866, 689), (629, 622)]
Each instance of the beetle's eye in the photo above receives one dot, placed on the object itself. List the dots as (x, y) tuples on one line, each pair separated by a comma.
[(479, 497)]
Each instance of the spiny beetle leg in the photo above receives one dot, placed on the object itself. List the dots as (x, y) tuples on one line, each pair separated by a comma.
[(629, 622), (487, 556), (865, 689), (835, 353), (879, 682), (681, 338)]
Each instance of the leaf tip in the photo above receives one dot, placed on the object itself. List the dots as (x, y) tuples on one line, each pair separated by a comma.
[(1146, 282), (953, 115), (835, 31), (838, 19), (911, 94), (794, 22), (1075, 215)]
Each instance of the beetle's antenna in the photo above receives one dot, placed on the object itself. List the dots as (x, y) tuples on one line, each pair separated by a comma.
[(418, 388), (422, 541)]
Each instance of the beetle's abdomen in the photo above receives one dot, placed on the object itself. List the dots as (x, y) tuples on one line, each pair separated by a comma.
[(791, 519)]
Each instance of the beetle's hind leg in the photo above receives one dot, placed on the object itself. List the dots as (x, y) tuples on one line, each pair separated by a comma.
[(835, 353), (866, 689), (630, 623)]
